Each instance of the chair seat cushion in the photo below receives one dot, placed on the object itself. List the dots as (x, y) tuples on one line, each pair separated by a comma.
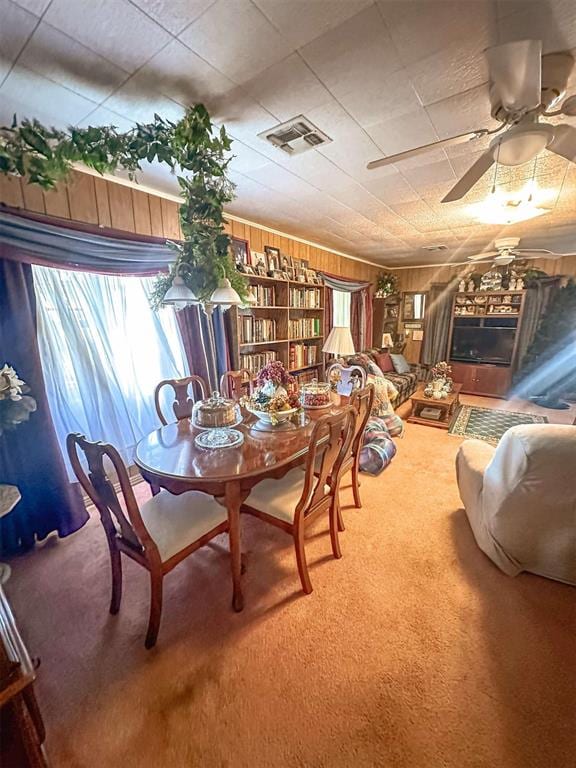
[(279, 497), (175, 522)]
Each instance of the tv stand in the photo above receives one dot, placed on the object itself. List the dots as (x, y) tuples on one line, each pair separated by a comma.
[(501, 313)]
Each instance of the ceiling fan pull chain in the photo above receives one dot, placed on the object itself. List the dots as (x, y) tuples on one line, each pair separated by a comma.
[(496, 169)]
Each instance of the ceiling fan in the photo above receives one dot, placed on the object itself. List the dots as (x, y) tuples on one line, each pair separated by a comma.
[(524, 87), (507, 250)]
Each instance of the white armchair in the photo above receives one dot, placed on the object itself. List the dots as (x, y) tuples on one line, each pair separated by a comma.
[(520, 499)]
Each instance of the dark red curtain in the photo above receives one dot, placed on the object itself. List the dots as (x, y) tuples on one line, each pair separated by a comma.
[(328, 311), (356, 319), (30, 457)]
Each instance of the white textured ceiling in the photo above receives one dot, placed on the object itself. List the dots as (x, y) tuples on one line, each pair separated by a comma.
[(378, 76)]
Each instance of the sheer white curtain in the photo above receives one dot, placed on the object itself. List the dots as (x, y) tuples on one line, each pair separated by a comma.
[(103, 351), (341, 308)]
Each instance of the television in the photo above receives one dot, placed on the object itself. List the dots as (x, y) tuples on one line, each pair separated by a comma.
[(483, 345)]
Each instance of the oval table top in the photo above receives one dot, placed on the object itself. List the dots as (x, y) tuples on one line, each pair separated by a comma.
[(171, 452)]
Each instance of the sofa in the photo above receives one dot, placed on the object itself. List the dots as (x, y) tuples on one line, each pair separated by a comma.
[(406, 383), (520, 499)]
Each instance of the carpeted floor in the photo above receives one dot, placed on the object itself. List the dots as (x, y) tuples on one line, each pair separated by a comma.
[(413, 650)]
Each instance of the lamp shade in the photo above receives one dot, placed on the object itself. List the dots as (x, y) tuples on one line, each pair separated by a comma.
[(225, 294), (339, 342), (179, 295), (387, 340)]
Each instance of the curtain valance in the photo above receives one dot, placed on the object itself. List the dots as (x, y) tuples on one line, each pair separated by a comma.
[(31, 241), (342, 284)]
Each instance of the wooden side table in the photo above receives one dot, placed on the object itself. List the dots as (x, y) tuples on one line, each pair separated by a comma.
[(9, 497), (447, 407)]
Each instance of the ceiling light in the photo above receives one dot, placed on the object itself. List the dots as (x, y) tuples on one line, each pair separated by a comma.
[(510, 208), (225, 296), (179, 295)]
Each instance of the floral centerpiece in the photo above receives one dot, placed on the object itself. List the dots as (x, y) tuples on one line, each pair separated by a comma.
[(272, 401), (15, 405), (441, 383)]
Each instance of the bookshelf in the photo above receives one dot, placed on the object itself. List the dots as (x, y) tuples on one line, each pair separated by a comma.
[(286, 324)]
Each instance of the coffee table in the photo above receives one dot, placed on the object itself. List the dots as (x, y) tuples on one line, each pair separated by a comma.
[(446, 406)]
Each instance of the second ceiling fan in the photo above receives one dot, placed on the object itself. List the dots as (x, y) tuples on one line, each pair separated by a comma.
[(524, 86)]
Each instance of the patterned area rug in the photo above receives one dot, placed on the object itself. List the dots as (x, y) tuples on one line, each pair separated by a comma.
[(489, 424)]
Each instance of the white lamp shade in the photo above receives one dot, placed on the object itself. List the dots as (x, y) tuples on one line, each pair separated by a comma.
[(339, 342), (225, 294), (179, 294), (387, 340)]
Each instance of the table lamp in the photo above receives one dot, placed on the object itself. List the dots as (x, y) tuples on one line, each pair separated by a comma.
[(339, 342), (387, 340)]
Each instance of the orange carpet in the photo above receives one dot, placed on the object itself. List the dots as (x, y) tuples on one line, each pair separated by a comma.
[(413, 650)]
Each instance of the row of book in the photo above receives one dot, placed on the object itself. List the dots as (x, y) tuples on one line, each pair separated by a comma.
[(256, 329), (255, 361), (307, 298), (302, 355), (305, 327), (304, 377), (265, 295)]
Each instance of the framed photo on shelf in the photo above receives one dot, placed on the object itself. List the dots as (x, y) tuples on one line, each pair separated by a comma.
[(285, 262), (241, 251), (273, 259), (260, 264)]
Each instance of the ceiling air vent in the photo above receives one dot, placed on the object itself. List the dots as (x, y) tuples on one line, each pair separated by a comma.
[(433, 248), (295, 136)]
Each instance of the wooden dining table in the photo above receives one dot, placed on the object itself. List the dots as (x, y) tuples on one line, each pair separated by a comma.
[(169, 458)]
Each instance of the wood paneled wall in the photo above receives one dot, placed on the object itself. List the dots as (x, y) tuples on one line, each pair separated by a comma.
[(421, 278), (95, 200)]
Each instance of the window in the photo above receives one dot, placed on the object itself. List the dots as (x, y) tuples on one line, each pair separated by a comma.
[(103, 351), (341, 308)]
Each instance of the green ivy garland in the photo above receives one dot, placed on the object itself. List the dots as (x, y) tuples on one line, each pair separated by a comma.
[(191, 146)]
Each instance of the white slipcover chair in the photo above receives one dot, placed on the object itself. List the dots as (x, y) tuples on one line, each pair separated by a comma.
[(520, 499)]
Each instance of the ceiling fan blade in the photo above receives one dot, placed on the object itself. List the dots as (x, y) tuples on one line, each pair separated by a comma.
[(543, 252), (483, 256), (516, 73), (472, 175), (460, 139), (564, 142)]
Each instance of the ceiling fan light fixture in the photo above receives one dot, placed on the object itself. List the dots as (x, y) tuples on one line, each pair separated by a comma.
[(502, 208)]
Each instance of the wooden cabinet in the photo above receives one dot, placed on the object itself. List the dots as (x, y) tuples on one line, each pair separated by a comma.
[(385, 318), (489, 380)]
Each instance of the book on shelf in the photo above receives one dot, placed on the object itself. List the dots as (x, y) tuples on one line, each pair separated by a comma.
[(254, 361), (305, 327), (301, 355), (304, 377), (305, 298), (256, 329), (265, 295)]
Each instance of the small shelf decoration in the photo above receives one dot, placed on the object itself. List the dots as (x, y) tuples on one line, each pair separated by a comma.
[(272, 402)]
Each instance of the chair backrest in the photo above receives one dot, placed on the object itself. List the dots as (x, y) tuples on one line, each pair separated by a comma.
[(529, 497), (185, 391), (362, 400), (330, 446), (128, 527), (232, 383)]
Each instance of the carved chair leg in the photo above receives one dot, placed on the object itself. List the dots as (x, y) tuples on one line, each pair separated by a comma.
[(156, 579), (301, 560), (356, 485), (334, 527), (340, 519), (116, 561)]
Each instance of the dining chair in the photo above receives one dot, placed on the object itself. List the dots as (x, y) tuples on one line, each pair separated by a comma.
[(292, 502), (232, 383), (184, 396), (158, 535), (362, 401)]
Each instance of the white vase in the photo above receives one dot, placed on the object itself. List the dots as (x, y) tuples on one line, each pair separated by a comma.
[(437, 389), (273, 390)]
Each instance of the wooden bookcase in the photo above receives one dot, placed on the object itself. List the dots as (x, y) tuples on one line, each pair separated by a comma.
[(281, 328), (502, 312)]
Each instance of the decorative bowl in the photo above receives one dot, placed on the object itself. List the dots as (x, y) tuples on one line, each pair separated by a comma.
[(272, 417)]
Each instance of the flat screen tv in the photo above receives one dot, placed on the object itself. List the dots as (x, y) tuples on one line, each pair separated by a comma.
[(483, 345)]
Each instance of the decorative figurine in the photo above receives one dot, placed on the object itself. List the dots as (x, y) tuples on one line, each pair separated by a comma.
[(462, 286)]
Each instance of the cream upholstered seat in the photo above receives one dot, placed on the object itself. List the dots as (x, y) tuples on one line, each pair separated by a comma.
[(158, 535), (280, 497), (520, 499), (174, 522)]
